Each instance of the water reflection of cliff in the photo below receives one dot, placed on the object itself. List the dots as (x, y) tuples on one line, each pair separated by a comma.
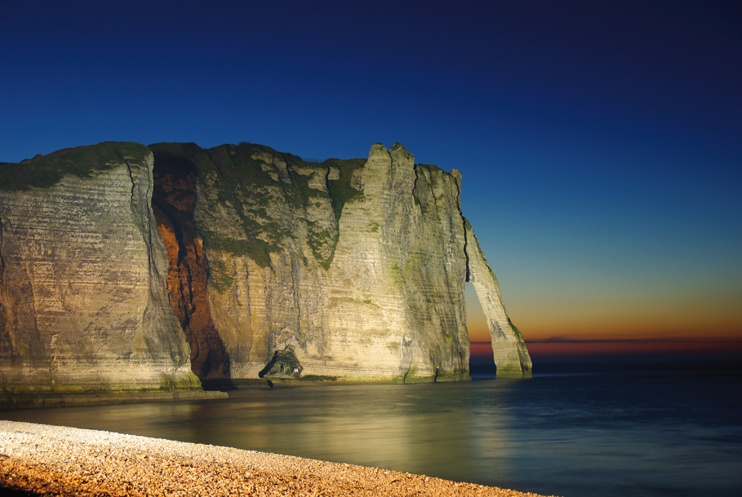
[(433, 429), (579, 435), (427, 429)]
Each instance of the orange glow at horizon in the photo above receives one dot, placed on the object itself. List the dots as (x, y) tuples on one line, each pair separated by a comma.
[(583, 327), (619, 347), (720, 316)]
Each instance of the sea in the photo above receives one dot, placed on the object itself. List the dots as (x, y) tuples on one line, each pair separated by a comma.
[(573, 430)]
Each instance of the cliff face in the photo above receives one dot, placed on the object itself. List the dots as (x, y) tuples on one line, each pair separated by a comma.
[(83, 296), (346, 269), (124, 267), (174, 202)]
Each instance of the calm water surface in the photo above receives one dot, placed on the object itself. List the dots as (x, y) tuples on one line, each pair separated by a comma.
[(648, 434)]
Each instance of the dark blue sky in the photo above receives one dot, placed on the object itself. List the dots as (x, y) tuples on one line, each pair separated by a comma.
[(600, 142)]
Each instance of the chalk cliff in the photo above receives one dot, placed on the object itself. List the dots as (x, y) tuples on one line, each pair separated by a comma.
[(128, 267), (510, 353), (83, 300), (346, 269)]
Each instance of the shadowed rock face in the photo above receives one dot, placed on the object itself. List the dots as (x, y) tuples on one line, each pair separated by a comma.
[(174, 202)]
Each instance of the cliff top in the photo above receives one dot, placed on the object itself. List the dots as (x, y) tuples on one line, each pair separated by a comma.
[(44, 171)]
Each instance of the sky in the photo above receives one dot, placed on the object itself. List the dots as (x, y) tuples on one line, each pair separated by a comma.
[(600, 142)]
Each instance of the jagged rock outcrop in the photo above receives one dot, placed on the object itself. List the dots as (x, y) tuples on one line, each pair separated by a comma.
[(345, 269), (124, 267), (83, 297)]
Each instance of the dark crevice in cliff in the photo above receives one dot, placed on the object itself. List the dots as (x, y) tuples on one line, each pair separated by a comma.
[(174, 204), (414, 182), (216, 164), (146, 231), (466, 223), (466, 247), (133, 184)]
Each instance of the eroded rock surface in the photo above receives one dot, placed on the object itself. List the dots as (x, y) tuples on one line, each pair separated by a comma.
[(174, 202), (83, 295), (510, 353), (353, 268), (247, 263)]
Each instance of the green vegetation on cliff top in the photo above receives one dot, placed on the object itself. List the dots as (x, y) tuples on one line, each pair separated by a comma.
[(257, 184), (47, 170), (241, 181), (244, 180)]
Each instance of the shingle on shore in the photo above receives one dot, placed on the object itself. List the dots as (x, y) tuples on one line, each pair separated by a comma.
[(55, 460)]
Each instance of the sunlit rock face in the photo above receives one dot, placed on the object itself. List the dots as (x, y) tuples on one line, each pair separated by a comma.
[(346, 269), (396, 283), (83, 294), (126, 267), (510, 353)]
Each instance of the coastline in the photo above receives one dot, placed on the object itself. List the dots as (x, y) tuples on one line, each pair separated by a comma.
[(57, 460), (35, 399)]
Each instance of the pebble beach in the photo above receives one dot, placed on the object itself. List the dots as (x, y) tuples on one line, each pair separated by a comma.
[(57, 460)]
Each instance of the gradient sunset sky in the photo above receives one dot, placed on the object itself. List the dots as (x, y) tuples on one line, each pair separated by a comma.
[(600, 142)]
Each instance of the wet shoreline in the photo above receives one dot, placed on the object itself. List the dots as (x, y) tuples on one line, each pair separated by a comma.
[(60, 460)]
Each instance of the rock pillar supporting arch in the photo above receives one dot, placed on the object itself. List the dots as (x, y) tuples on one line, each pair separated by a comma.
[(509, 349)]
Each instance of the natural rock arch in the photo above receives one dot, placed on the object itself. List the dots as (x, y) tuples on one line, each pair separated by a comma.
[(508, 347)]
